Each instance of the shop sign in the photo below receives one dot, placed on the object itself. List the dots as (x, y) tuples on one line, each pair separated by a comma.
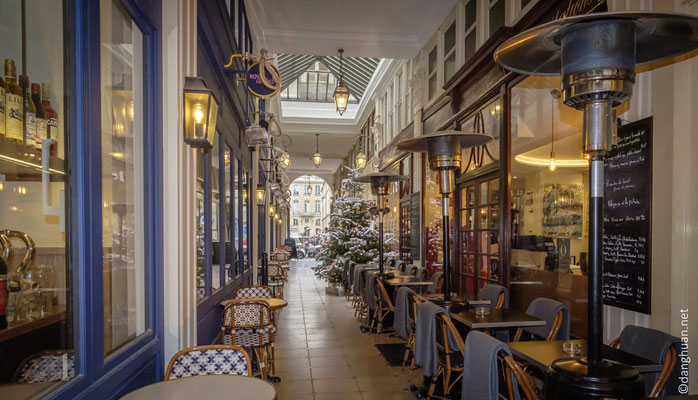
[(254, 81), (390, 153)]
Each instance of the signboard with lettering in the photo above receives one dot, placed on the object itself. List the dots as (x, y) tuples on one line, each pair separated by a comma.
[(627, 219), (255, 85)]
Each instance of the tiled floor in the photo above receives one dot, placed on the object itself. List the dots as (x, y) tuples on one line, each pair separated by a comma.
[(321, 352)]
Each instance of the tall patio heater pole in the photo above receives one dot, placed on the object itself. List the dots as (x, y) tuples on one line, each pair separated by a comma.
[(444, 153), (380, 187), (596, 54)]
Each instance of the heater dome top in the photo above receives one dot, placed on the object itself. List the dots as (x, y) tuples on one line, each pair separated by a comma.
[(467, 140), (369, 178), (658, 36)]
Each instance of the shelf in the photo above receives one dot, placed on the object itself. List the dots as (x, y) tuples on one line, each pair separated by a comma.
[(23, 163), (15, 330)]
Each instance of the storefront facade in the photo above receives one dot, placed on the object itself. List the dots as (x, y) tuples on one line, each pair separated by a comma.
[(521, 225)]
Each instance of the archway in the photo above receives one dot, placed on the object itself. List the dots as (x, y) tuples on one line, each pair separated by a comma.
[(311, 200)]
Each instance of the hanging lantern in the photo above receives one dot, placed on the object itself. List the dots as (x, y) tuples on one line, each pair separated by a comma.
[(260, 193), (286, 160), (200, 113), (317, 158), (361, 160), (341, 92)]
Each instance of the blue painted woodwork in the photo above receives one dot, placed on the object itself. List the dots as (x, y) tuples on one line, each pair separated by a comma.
[(137, 362), (216, 42)]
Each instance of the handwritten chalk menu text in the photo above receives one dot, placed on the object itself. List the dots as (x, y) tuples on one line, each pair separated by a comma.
[(626, 227)]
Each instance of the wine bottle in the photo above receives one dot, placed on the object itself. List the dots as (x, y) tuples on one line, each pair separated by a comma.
[(51, 117), (29, 113), (41, 120), (2, 108), (3, 293), (14, 106)]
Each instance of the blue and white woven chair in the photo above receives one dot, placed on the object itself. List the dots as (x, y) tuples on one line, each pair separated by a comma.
[(250, 324), (46, 366), (209, 360), (253, 292)]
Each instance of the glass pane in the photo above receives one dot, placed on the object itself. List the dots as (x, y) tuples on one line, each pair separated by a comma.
[(494, 217), (229, 255), (494, 191), (293, 90), (483, 266), (470, 264), (200, 238), (483, 217), (322, 87), (496, 16), (432, 60), (494, 268), (121, 60), (47, 301), (236, 216), (432, 86), (245, 231), (450, 38), (215, 211), (484, 189), (524, 3), (471, 196), (470, 13), (483, 242), (450, 66), (490, 115), (468, 242)]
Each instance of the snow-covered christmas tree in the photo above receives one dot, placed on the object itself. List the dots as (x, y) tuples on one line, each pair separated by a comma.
[(351, 234)]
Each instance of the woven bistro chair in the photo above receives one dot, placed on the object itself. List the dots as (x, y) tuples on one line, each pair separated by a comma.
[(656, 346), (517, 380), (390, 263), (450, 351), (253, 292), (276, 278), (413, 302), (400, 265), (46, 366), (496, 294), (250, 325), (384, 306), (217, 359), (411, 269), (422, 274), (556, 316)]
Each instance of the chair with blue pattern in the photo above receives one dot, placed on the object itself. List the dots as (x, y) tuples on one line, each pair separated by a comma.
[(253, 292), (218, 359)]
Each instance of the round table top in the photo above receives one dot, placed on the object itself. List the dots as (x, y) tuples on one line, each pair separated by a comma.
[(232, 387), (274, 303)]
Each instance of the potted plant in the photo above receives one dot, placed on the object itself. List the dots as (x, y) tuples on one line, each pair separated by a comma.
[(332, 274)]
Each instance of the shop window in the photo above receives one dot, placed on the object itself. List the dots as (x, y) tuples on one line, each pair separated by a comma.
[(549, 208), (470, 29), (216, 258), (450, 51), (486, 120), (236, 216), (36, 299), (496, 15), (200, 231), (121, 59), (432, 75), (391, 220), (228, 215), (246, 234)]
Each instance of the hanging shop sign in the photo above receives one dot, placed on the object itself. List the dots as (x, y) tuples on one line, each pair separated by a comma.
[(255, 84)]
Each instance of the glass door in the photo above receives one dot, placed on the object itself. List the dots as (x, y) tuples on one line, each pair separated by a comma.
[(405, 244), (479, 234)]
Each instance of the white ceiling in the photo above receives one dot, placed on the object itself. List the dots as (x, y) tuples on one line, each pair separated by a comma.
[(363, 28)]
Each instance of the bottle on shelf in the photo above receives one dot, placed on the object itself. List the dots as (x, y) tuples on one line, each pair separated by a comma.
[(14, 105), (29, 113), (41, 119), (2, 108), (51, 117)]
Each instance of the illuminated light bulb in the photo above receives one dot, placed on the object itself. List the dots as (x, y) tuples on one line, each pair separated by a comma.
[(105, 204), (198, 113), (395, 209), (497, 107), (552, 167), (2, 186)]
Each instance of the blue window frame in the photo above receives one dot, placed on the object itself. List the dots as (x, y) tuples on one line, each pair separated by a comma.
[(137, 362)]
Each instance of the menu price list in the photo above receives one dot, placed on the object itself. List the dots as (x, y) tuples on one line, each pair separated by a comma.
[(626, 239)]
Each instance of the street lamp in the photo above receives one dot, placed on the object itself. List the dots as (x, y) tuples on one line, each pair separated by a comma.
[(380, 187), (444, 152), (200, 113)]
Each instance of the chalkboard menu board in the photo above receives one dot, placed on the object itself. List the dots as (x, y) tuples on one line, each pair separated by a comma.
[(626, 228), (415, 243)]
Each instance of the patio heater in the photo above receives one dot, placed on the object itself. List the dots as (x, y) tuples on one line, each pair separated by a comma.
[(596, 54), (380, 187), (444, 153)]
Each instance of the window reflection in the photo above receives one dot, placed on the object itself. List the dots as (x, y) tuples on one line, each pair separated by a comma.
[(123, 211)]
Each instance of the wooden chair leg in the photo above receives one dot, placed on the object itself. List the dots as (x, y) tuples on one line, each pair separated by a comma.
[(432, 387), (412, 368), (407, 352), (447, 380)]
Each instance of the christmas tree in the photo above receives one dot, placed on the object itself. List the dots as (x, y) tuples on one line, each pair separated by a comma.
[(351, 234)]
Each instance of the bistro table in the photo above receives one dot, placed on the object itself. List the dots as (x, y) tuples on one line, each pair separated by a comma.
[(274, 303), (232, 387), (406, 281), (454, 297), (541, 354), (497, 318)]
